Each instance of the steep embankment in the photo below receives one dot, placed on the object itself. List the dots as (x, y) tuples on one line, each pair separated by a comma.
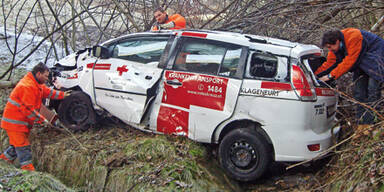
[(358, 164), (117, 158)]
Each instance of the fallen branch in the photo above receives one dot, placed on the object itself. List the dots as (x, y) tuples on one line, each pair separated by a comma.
[(7, 84), (377, 24), (51, 117)]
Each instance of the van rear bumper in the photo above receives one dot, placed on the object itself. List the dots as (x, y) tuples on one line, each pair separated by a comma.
[(298, 148)]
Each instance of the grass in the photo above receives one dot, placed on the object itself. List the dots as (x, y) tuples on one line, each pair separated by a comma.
[(13, 179), (116, 159)]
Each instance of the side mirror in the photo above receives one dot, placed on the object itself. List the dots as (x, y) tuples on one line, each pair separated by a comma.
[(100, 51)]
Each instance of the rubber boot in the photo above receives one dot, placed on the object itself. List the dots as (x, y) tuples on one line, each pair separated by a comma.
[(25, 157), (28, 167), (2, 156)]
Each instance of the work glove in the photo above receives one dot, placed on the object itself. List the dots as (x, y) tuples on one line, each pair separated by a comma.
[(45, 122), (57, 123), (167, 25), (67, 93)]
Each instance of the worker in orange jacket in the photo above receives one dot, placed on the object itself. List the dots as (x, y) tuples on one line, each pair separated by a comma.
[(21, 112), (163, 21), (362, 53)]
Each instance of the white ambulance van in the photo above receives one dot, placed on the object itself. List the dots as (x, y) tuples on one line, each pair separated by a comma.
[(256, 97)]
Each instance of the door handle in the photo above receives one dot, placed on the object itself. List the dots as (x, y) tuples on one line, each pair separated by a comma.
[(174, 82), (148, 77)]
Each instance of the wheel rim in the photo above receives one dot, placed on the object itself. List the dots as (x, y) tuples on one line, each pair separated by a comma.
[(243, 155), (77, 112)]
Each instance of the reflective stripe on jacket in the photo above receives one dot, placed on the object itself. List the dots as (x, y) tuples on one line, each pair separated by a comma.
[(179, 21), (362, 50), (21, 110)]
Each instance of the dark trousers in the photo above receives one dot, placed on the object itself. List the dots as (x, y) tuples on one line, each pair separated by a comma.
[(368, 91), (23, 153)]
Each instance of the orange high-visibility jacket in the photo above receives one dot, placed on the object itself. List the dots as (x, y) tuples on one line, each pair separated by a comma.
[(21, 110), (353, 40), (179, 21)]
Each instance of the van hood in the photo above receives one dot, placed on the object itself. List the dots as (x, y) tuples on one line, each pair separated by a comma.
[(67, 61)]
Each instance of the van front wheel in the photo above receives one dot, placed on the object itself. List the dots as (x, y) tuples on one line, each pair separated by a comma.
[(76, 111), (244, 154)]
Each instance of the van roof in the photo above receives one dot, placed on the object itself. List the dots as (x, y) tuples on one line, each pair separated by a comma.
[(273, 45)]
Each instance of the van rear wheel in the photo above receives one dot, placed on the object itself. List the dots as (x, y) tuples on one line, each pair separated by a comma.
[(244, 154)]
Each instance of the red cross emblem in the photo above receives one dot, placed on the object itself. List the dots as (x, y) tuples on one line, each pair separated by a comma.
[(122, 69)]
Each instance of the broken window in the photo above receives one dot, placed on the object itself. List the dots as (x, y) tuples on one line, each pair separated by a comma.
[(262, 65)]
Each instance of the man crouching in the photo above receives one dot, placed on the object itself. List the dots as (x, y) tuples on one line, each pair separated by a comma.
[(21, 112)]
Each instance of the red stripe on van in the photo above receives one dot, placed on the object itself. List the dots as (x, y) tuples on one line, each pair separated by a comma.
[(202, 35), (99, 66), (276, 86), (103, 66)]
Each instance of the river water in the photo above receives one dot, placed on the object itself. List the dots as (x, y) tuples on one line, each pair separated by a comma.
[(25, 43)]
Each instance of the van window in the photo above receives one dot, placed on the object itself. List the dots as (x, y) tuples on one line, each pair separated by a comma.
[(209, 57), (230, 62), (263, 65)]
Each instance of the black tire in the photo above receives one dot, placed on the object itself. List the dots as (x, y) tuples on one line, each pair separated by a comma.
[(244, 154), (76, 112)]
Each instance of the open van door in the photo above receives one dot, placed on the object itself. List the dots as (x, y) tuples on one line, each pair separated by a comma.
[(125, 80)]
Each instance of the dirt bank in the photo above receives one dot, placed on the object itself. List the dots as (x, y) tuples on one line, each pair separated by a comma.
[(115, 157)]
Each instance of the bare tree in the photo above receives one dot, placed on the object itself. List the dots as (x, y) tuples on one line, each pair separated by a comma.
[(18, 31), (70, 25)]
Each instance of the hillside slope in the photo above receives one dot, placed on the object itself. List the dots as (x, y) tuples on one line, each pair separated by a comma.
[(358, 164), (117, 158)]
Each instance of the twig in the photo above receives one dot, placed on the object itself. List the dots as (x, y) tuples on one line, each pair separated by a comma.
[(218, 14), (43, 40), (129, 17), (378, 23), (380, 116), (69, 132)]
